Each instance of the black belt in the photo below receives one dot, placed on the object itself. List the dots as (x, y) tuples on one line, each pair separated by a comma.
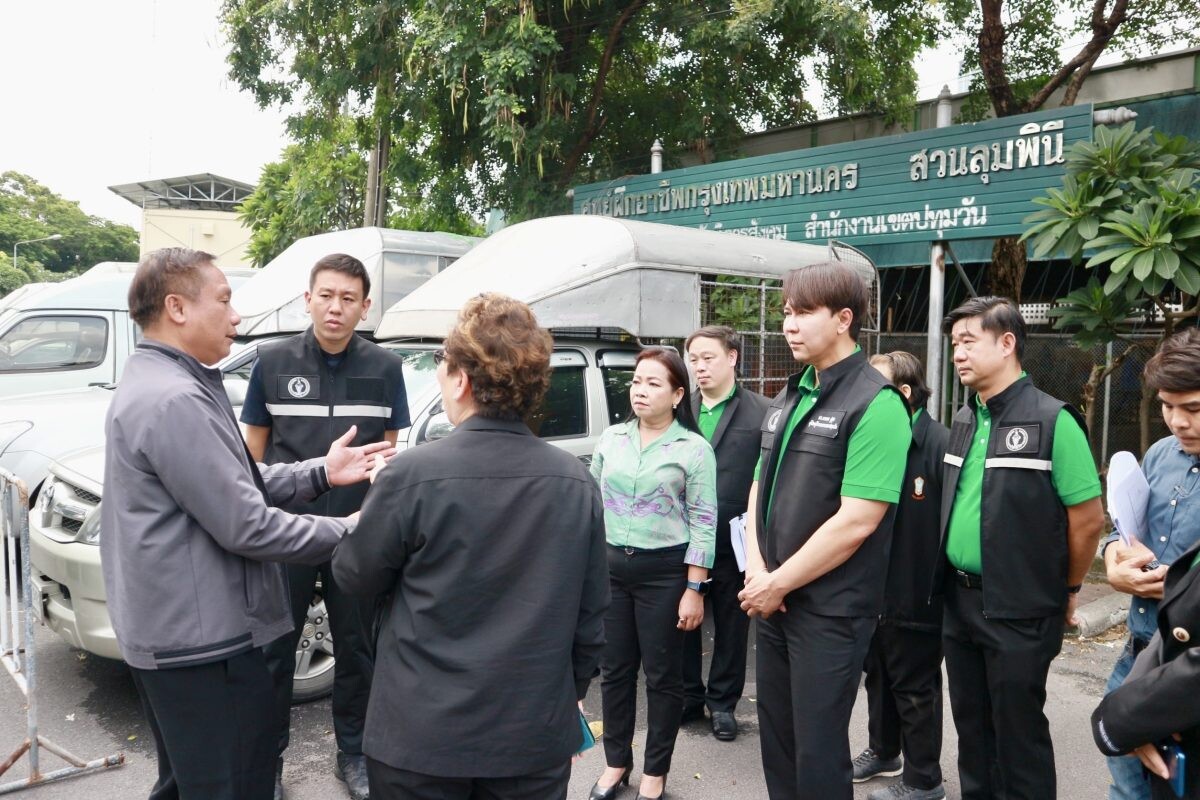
[(968, 580)]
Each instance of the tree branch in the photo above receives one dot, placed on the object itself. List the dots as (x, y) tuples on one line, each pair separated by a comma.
[(991, 59), (1079, 67), (594, 121)]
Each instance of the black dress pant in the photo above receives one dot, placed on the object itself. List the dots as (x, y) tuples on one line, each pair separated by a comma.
[(350, 623), (997, 672), (213, 728), (904, 700), (808, 669), (640, 629), (389, 783), (731, 627)]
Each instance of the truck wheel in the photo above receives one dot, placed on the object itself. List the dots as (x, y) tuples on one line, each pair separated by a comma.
[(314, 656)]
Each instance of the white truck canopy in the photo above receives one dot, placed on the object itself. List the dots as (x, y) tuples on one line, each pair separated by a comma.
[(591, 272), (397, 262)]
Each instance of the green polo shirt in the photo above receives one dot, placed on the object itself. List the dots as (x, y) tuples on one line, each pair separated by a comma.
[(709, 418), (876, 453), (1072, 472)]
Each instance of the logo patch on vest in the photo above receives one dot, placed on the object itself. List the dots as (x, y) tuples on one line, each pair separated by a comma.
[(773, 421), (299, 387), (825, 423), (1024, 439), (918, 492)]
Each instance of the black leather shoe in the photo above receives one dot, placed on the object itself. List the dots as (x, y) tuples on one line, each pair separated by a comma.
[(352, 769), (609, 792), (692, 714), (279, 794), (724, 725)]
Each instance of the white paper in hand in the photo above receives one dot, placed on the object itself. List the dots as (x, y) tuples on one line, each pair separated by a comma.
[(737, 537), (1128, 497)]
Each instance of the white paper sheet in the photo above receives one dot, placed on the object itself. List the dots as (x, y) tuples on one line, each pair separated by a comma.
[(737, 537), (1128, 497)]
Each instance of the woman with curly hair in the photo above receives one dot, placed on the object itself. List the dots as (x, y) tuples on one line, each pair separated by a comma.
[(491, 545), (658, 476)]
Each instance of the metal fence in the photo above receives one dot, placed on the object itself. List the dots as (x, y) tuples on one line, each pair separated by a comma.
[(1056, 365), (17, 650)]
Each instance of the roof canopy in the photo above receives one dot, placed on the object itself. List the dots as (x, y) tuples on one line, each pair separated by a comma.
[(590, 271), (207, 192)]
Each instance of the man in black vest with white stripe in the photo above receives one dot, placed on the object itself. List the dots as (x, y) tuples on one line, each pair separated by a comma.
[(1021, 518), (305, 392)]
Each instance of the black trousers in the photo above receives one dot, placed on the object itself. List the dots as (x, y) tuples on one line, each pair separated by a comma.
[(904, 700), (350, 623), (731, 627), (640, 629), (213, 728), (808, 670), (997, 672), (389, 783)]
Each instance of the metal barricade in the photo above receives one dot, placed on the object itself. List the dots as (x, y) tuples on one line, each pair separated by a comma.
[(17, 650)]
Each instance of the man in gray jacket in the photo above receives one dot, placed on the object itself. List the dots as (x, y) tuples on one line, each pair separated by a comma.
[(190, 535)]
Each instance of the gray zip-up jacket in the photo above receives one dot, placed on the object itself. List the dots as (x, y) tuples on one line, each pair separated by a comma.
[(189, 534)]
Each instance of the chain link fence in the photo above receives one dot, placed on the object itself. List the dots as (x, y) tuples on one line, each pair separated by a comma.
[(1056, 365)]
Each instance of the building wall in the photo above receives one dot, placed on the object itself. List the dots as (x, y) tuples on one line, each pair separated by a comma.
[(218, 232), (1113, 85)]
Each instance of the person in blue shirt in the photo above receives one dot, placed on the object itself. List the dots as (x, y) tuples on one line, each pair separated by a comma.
[(1172, 468)]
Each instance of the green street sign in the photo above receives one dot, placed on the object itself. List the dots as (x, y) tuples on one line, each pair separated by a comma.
[(961, 182)]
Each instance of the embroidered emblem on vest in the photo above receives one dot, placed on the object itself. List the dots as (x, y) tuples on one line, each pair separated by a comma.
[(918, 492), (773, 422), (1016, 440), (298, 387)]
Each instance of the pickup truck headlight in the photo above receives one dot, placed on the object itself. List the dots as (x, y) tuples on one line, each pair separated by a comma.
[(89, 532)]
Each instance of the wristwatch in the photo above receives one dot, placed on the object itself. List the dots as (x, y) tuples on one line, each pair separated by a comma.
[(700, 586)]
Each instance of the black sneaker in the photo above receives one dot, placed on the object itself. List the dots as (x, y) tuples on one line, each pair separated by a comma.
[(902, 791), (868, 765)]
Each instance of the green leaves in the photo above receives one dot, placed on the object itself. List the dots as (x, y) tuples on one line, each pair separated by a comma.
[(1130, 201)]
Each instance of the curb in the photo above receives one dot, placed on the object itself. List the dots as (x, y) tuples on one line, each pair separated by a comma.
[(1099, 615)]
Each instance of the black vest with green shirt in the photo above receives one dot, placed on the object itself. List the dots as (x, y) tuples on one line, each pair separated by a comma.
[(808, 489)]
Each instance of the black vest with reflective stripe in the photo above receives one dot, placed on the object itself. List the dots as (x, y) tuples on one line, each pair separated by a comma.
[(311, 406), (1023, 524), (808, 491)]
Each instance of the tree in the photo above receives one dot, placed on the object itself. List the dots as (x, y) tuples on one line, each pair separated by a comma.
[(507, 104), (29, 210), (1132, 200), (319, 185), (1014, 52)]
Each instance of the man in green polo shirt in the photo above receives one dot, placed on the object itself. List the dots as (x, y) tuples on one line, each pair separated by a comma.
[(730, 417), (834, 447), (1021, 518)]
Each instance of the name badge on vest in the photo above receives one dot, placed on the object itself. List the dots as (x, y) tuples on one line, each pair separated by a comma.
[(298, 387), (825, 423), (1022, 439)]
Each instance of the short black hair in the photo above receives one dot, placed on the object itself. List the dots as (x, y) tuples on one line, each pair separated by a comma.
[(827, 285), (168, 270), (1176, 365), (997, 316), (906, 369), (724, 334), (345, 264)]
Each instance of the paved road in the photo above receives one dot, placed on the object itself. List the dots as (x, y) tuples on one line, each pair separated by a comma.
[(89, 705)]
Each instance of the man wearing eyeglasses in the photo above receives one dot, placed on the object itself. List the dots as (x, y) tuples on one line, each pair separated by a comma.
[(304, 393)]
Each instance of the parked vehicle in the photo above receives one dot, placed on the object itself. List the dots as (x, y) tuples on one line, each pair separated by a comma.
[(70, 335), (588, 391), (600, 284)]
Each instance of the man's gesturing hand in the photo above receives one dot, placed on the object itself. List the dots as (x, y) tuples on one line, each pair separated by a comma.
[(345, 465)]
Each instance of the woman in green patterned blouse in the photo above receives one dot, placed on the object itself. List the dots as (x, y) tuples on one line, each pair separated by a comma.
[(657, 476)]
